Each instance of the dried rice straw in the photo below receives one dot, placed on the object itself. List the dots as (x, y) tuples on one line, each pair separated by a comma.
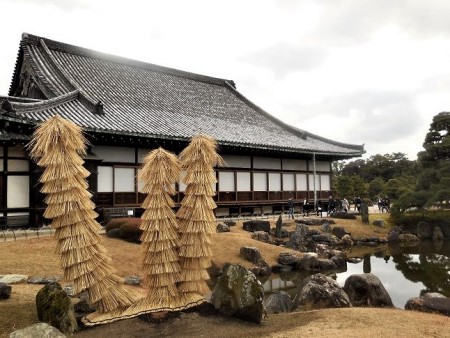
[(196, 216), (57, 145), (159, 172)]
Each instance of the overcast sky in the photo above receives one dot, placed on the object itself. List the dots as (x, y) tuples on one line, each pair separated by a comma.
[(355, 71)]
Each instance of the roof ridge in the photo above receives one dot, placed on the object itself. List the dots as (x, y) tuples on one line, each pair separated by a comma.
[(92, 104), (86, 52)]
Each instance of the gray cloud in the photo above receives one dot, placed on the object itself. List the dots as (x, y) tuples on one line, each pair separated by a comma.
[(350, 22), (283, 58), (372, 116), (61, 4)]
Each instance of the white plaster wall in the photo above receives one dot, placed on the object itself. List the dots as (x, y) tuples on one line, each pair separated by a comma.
[(243, 181), (236, 161), (124, 179), (114, 154), (288, 182), (274, 182), (105, 179), (226, 181), (292, 164), (260, 181), (18, 165), (18, 194), (301, 182), (266, 163)]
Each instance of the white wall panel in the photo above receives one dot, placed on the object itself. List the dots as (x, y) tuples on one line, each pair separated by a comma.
[(266, 163), (243, 181), (124, 179), (18, 165), (18, 192), (114, 154), (291, 164), (105, 179), (274, 182), (311, 182), (288, 182), (325, 184), (301, 182), (235, 161), (226, 181), (142, 153), (260, 181), (16, 151), (320, 166)]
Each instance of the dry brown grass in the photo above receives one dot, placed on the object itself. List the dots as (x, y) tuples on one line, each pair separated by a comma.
[(37, 257)]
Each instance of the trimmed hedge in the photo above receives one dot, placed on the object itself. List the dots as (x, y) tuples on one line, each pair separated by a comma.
[(124, 228)]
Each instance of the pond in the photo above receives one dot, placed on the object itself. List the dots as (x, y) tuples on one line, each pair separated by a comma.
[(405, 272)]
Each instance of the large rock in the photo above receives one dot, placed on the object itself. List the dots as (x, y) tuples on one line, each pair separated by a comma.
[(340, 232), (408, 238), (424, 230), (222, 227), (315, 221), (367, 290), (288, 258), (445, 227), (394, 236), (320, 292), (5, 291), (13, 279), (239, 293), (55, 308), (37, 330), (256, 225), (309, 262), (262, 236), (364, 213), (251, 254), (278, 302), (435, 303), (43, 279), (437, 233), (82, 308), (379, 223), (298, 239), (323, 251)]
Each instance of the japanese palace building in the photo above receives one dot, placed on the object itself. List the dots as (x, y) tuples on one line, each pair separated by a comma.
[(128, 108)]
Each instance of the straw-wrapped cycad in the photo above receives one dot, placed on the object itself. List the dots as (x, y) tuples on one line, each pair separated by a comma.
[(58, 145), (158, 175), (196, 216)]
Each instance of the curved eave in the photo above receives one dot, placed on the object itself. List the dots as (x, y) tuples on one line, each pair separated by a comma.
[(263, 147)]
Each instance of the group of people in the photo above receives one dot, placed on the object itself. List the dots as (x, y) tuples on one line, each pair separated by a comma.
[(336, 205), (342, 205), (384, 204)]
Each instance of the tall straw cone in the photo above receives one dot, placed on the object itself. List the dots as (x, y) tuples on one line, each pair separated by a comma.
[(57, 145), (196, 216), (159, 240)]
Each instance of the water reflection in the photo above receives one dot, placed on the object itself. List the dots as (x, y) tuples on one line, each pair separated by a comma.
[(405, 272)]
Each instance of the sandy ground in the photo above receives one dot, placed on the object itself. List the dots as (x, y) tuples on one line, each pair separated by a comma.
[(36, 257)]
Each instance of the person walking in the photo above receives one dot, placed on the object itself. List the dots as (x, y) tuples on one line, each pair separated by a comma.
[(345, 205), (291, 208)]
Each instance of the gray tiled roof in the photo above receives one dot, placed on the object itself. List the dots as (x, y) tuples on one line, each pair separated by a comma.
[(152, 101)]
